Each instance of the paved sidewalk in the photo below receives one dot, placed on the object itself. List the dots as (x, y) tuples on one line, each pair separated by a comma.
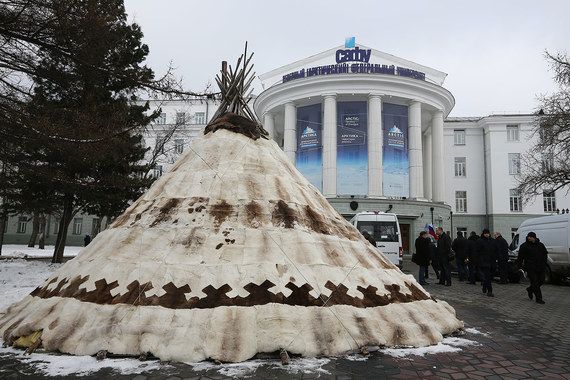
[(523, 340)]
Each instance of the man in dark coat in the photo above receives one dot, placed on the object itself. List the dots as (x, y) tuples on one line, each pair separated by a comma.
[(443, 252), (369, 237), (502, 257), (472, 264), (422, 255), (486, 251), (460, 246), (533, 258)]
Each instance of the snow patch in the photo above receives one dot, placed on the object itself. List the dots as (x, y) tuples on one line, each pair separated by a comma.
[(474, 331), (19, 277), (64, 365), (23, 251), (449, 344), (248, 368)]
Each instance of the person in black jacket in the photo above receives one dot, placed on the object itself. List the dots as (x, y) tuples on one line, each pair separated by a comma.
[(422, 255), (502, 257), (486, 251), (472, 262), (443, 251), (369, 237), (460, 246), (533, 258)]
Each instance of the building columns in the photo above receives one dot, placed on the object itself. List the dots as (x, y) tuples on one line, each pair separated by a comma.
[(290, 131), (438, 185), (374, 146), (329, 145), (427, 157), (269, 124), (415, 150)]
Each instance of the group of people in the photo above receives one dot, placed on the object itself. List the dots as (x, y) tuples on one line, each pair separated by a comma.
[(478, 258)]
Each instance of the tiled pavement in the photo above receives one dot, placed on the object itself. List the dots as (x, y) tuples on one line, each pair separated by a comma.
[(523, 340)]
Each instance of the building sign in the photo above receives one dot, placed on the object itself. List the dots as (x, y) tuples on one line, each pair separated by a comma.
[(353, 53), (396, 171), (352, 148), (309, 157)]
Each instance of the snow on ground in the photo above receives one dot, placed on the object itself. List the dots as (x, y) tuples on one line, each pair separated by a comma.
[(22, 251), (63, 365), (449, 344), (296, 366), (474, 331), (18, 277)]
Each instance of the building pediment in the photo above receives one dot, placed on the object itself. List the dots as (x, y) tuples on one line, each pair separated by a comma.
[(341, 59)]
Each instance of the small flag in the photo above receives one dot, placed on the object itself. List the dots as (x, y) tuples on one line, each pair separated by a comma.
[(350, 42)]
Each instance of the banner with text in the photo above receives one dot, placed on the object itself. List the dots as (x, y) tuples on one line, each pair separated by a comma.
[(352, 148), (309, 157), (395, 152)]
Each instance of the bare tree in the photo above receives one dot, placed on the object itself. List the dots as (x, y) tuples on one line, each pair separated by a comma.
[(545, 167)]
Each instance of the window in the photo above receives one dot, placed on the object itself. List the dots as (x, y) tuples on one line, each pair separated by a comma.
[(77, 226), (459, 136), (461, 201), (95, 226), (160, 143), (548, 162), (460, 167), (179, 146), (161, 119), (200, 118), (549, 199), (515, 200), (56, 225), (180, 117), (157, 171), (22, 224), (514, 163), (463, 231), (512, 133)]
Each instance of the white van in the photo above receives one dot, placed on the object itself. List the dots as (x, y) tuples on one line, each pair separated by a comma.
[(385, 229), (554, 232)]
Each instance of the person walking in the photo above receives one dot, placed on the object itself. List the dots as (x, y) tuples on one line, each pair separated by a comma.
[(502, 257), (460, 247), (487, 255), (533, 258), (86, 240), (472, 262), (422, 245), (443, 252)]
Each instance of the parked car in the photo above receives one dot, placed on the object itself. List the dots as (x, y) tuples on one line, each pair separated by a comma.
[(385, 229), (554, 232)]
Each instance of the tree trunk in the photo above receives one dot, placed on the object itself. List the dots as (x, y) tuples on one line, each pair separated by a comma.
[(42, 238), (62, 233), (35, 230), (3, 221)]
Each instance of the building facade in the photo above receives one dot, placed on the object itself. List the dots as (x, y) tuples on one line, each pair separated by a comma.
[(372, 132)]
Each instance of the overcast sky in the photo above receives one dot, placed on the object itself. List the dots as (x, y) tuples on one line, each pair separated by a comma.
[(492, 51)]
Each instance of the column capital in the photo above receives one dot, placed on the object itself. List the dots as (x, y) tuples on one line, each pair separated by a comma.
[(414, 101), (373, 95), (329, 95), (290, 103)]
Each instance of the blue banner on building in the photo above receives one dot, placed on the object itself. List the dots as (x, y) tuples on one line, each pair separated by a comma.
[(309, 158), (395, 155), (352, 148)]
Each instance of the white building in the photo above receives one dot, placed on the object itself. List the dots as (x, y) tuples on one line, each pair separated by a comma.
[(369, 129)]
